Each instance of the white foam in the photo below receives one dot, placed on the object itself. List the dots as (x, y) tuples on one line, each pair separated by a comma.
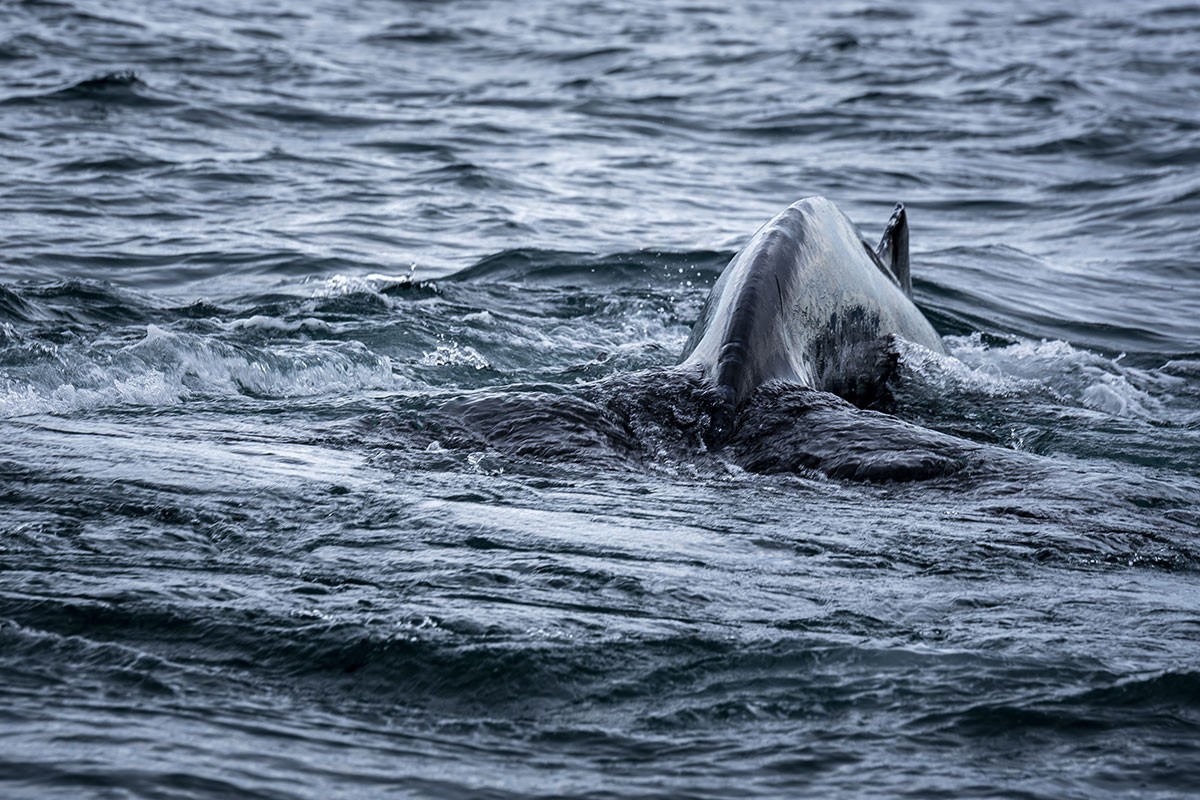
[(962, 371), (165, 368), (148, 389), (262, 322), (374, 283), (482, 317), (1047, 367), (454, 354)]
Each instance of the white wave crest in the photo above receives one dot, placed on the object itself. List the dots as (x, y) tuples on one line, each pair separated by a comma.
[(1053, 368), (454, 354), (166, 368), (374, 283)]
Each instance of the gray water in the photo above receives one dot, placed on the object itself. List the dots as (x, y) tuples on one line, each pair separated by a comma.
[(341, 452)]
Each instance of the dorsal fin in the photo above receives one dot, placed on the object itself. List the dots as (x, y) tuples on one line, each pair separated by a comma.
[(893, 248)]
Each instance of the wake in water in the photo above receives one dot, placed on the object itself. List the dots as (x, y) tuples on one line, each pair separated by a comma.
[(78, 346), (667, 415)]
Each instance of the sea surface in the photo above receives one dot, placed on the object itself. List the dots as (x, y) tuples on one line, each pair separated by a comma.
[(342, 453)]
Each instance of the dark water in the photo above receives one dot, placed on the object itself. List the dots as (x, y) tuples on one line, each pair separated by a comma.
[(341, 455)]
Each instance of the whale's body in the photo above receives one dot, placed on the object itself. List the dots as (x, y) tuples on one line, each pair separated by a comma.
[(806, 311), (808, 301)]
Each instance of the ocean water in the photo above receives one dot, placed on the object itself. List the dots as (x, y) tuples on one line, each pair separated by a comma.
[(341, 454)]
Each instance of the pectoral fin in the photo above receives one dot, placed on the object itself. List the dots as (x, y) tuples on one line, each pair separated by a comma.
[(893, 249)]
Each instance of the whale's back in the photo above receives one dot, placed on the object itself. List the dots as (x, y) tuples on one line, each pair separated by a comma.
[(807, 301)]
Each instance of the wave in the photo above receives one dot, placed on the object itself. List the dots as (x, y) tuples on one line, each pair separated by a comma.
[(113, 89), (417, 33), (1167, 700), (459, 668), (165, 368), (556, 268), (1051, 371)]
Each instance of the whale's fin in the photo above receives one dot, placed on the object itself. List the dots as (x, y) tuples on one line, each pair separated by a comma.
[(893, 249)]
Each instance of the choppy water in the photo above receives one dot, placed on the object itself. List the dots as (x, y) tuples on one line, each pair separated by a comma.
[(263, 264)]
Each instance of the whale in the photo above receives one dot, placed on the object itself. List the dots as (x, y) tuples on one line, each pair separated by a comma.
[(808, 301), (788, 369)]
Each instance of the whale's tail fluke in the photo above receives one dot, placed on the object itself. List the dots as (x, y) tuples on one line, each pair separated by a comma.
[(893, 249)]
